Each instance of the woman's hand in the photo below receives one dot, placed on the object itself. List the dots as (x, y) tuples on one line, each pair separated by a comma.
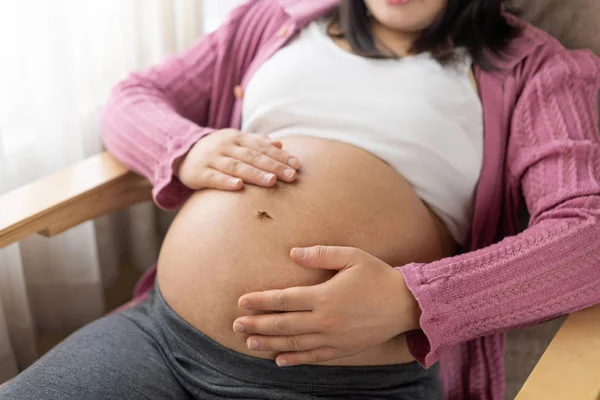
[(228, 158), (365, 304)]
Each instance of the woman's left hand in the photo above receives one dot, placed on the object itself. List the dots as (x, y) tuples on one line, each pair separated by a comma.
[(365, 304)]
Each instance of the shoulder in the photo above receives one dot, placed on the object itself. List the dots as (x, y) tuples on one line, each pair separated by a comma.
[(257, 10), (535, 51), (546, 65), (248, 25), (553, 92), (261, 14), (300, 11)]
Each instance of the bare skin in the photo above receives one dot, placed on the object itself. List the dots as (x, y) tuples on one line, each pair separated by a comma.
[(230, 245), (220, 248)]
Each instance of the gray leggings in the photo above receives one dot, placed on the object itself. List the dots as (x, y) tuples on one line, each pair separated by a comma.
[(149, 352)]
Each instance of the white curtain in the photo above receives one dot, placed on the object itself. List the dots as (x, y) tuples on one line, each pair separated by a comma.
[(59, 60)]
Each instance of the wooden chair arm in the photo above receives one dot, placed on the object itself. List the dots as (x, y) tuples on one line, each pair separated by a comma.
[(570, 366), (84, 191)]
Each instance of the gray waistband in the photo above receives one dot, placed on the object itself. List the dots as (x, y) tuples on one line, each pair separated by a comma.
[(194, 354)]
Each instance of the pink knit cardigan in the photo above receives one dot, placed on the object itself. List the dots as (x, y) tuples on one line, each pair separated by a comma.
[(541, 151)]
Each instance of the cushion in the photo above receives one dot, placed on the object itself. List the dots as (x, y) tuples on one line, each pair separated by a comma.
[(574, 22)]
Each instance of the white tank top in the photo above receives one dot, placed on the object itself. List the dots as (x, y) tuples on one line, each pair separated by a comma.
[(423, 119)]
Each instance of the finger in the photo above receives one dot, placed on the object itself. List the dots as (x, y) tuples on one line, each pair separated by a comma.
[(280, 344), (326, 257), (214, 179), (248, 173), (282, 324), (270, 141), (263, 162), (265, 146), (301, 298), (275, 143), (313, 356)]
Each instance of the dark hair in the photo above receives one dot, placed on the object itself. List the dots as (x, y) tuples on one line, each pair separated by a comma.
[(477, 25)]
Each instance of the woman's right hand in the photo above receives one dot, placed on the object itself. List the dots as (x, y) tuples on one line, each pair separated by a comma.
[(226, 159)]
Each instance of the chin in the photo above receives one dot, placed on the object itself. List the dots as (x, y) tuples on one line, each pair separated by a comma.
[(410, 26), (411, 17)]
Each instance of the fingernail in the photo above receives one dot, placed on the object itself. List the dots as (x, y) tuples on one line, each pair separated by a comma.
[(234, 181), (268, 177), (282, 362), (239, 327), (300, 253), (289, 173), (244, 303), (253, 344), (294, 163)]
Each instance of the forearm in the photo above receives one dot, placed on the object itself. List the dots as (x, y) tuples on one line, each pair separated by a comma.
[(552, 268), (155, 116), (549, 270), (149, 137)]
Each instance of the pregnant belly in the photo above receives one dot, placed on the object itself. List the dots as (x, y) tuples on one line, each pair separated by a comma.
[(223, 244)]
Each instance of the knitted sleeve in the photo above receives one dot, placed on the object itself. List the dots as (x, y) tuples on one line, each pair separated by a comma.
[(155, 116), (553, 267)]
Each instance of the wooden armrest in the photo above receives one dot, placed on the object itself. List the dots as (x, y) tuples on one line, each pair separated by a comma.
[(570, 367), (51, 205)]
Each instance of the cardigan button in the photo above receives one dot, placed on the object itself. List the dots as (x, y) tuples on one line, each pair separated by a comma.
[(238, 92), (283, 32)]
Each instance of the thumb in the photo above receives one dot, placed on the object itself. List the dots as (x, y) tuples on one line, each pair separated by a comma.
[(326, 257)]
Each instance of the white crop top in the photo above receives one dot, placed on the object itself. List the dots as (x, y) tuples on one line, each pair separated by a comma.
[(423, 119)]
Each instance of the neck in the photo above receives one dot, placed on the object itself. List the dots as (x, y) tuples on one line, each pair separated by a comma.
[(400, 43)]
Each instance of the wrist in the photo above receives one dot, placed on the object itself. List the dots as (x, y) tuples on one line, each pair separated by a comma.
[(409, 309), (177, 165)]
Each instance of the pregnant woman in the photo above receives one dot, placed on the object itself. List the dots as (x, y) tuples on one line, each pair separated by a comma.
[(314, 147)]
